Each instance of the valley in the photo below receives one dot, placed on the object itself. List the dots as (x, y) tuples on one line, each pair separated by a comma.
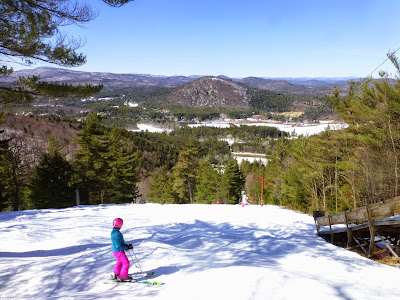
[(228, 127)]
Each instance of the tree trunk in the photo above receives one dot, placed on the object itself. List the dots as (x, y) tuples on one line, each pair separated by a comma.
[(77, 197), (395, 162)]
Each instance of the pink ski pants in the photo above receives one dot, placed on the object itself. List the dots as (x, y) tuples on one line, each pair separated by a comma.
[(122, 266)]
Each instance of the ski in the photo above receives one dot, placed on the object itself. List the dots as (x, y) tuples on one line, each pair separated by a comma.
[(142, 275), (150, 282), (136, 279), (117, 282), (147, 282)]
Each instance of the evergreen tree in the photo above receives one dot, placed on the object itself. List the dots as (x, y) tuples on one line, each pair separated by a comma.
[(105, 166), (92, 160), (50, 186), (123, 170), (29, 32), (185, 172), (372, 110), (207, 184), (161, 189), (233, 182), (340, 170)]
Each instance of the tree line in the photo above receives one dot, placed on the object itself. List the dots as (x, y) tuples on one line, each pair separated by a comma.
[(108, 164), (340, 170), (332, 171)]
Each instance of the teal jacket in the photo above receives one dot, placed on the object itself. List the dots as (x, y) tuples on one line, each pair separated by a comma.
[(117, 241)]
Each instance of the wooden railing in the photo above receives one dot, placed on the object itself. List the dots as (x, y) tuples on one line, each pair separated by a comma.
[(371, 218), (363, 214)]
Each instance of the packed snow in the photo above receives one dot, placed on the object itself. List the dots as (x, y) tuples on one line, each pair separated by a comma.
[(197, 251)]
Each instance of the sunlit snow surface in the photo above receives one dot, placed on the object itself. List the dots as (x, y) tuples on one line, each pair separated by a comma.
[(291, 128), (198, 251)]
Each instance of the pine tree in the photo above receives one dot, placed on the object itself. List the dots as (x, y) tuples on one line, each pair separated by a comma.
[(92, 161), (29, 32), (185, 172), (106, 167), (51, 186), (234, 182), (207, 184), (372, 110), (161, 189), (123, 170)]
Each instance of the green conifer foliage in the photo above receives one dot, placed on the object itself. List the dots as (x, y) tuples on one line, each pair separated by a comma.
[(106, 167), (233, 182), (123, 163), (51, 185), (185, 172), (91, 163), (161, 189), (30, 32), (340, 170), (207, 184)]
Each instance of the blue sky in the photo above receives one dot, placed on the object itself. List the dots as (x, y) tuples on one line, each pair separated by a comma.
[(264, 38)]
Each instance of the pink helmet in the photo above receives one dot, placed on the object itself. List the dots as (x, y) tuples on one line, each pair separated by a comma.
[(117, 223)]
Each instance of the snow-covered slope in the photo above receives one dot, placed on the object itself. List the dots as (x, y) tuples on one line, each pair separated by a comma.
[(199, 252)]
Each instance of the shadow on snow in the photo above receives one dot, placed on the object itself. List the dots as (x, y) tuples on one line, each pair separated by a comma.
[(206, 245)]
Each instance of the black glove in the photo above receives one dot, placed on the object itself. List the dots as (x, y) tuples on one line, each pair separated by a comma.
[(130, 246)]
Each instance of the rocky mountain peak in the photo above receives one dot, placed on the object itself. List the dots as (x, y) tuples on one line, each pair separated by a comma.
[(211, 92)]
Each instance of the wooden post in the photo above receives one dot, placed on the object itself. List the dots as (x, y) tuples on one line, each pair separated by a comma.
[(390, 248), (372, 232), (330, 228), (361, 246), (349, 233), (316, 215)]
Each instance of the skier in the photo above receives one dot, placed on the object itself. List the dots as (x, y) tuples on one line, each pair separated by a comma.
[(118, 248)]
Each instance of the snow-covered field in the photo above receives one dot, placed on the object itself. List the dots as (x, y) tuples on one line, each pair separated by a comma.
[(198, 251), (292, 128)]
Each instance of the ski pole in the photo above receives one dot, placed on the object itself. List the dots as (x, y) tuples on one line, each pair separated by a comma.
[(135, 260)]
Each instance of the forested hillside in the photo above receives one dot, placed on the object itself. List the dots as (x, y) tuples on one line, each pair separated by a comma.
[(83, 142), (53, 163), (340, 170)]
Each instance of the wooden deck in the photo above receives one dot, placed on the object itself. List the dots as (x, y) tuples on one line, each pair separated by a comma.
[(374, 229)]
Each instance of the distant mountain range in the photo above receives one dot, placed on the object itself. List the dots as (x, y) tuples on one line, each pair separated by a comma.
[(107, 79), (195, 91), (128, 80)]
